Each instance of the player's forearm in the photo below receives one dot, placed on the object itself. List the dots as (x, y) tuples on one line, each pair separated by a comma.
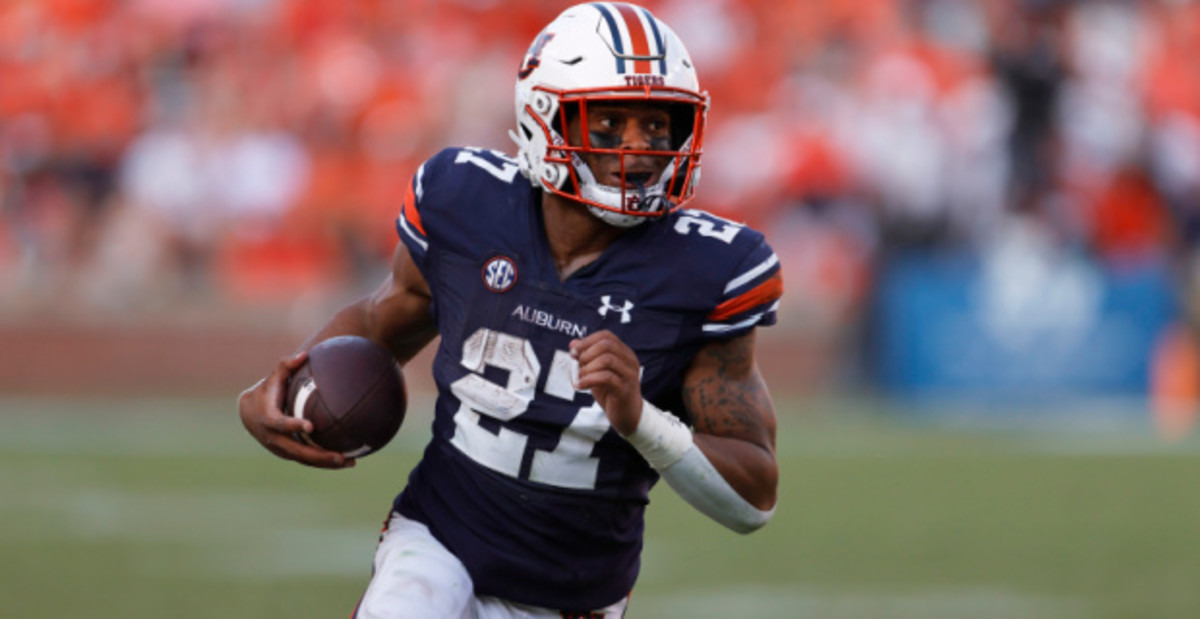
[(694, 478), (671, 449), (350, 320), (750, 469), (404, 332)]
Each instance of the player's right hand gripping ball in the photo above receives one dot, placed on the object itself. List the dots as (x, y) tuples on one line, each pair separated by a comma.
[(352, 391)]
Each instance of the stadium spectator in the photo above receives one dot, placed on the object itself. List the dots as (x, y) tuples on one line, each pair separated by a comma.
[(908, 123)]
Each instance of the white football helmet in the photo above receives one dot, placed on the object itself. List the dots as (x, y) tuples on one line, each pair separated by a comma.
[(604, 51)]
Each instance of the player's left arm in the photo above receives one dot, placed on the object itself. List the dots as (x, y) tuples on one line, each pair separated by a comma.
[(734, 418), (726, 469)]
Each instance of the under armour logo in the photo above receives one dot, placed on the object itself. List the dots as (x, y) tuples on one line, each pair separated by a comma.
[(607, 306)]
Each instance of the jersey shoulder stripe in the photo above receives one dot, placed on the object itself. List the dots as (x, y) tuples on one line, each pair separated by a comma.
[(753, 274), (447, 185), (763, 318), (409, 222), (762, 294), (751, 295)]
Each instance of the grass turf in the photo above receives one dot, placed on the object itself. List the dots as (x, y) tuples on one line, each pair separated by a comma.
[(165, 507)]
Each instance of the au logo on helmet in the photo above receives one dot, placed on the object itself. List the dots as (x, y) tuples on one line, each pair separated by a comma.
[(535, 55)]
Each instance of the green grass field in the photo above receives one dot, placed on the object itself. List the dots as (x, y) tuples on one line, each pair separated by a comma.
[(166, 508)]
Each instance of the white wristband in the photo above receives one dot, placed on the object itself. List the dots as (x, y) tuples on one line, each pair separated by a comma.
[(660, 437)]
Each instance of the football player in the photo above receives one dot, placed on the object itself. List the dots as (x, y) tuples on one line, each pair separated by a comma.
[(595, 335)]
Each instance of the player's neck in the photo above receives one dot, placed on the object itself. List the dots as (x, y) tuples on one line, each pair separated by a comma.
[(575, 236)]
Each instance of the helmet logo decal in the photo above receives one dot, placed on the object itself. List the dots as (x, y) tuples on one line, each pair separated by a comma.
[(634, 37), (535, 55), (641, 203), (499, 274)]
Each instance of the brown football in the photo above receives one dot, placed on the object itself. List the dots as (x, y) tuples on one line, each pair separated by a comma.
[(352, 391)]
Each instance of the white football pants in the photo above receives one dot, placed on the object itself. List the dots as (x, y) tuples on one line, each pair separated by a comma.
[(416, 577)]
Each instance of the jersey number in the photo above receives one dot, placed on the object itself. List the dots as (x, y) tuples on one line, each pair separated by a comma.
[(569, 464), (686, 224), (505, 170)]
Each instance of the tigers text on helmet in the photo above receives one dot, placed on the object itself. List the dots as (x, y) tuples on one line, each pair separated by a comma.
[(598, 54)]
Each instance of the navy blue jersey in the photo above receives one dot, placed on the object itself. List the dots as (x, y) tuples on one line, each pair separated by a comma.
[(524, 479)]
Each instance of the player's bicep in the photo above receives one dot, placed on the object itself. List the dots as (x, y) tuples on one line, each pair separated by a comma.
[(398, 312), (726, 395)]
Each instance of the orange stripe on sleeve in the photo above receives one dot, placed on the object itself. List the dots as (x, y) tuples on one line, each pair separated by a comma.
[(765, 292), (409, 210)]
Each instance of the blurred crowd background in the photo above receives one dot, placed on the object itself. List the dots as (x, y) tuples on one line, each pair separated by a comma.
[(246, 158)]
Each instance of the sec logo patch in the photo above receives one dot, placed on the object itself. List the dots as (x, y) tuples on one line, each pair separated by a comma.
[(499, 274)]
